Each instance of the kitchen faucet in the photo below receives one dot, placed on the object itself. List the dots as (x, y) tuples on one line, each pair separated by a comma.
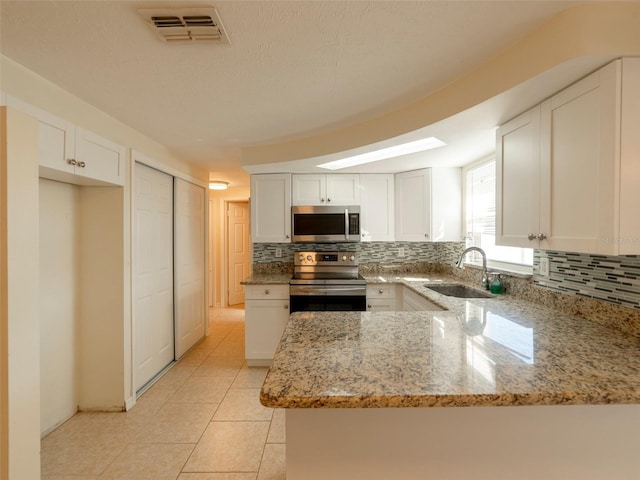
[(485, 277)]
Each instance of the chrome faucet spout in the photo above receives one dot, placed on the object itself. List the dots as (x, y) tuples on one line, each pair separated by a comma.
[(485, 276)]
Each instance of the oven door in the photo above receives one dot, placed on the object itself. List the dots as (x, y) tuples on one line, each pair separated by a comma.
[(328, 298)]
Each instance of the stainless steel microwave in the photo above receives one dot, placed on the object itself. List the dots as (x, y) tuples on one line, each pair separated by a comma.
[(323, 224)]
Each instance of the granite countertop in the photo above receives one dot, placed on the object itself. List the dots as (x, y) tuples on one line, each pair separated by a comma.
[(267, 279), (478, 352)]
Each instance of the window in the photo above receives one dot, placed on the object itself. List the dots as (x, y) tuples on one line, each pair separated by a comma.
[(480, 215)]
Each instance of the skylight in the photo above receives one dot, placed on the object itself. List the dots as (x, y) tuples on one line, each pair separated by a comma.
[(384, 153)]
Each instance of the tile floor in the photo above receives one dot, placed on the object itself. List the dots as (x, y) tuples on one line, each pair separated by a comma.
[(201, 421)]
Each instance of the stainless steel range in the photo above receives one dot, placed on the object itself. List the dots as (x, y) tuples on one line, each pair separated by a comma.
[(327, 281)]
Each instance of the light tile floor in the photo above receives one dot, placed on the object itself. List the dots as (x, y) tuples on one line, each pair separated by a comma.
[(202, 421)]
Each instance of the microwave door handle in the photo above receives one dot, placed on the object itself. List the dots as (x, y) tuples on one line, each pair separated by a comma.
[(346, 224)]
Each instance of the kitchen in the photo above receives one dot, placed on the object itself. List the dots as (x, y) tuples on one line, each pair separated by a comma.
[(503, 73)]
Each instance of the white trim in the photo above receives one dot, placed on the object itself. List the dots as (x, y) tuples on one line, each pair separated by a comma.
[(140, 157)]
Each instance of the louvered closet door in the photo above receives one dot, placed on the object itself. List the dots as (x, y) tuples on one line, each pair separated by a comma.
[(189, 265), (153, 273)]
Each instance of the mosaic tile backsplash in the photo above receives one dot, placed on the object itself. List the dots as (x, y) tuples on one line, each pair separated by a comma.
[(612, 279), (369, 252)]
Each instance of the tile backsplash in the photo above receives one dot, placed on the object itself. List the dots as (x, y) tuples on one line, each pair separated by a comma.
[(369, 252), (612, 279)]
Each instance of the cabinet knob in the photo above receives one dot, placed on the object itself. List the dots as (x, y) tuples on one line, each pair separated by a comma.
[(426, 235), (322, 199), (267, 292), (286, 236), (71, 161), (81, 164), (368, 306), (541, 236), (328, 199), (531, 236), (286, 307), (380, 291)]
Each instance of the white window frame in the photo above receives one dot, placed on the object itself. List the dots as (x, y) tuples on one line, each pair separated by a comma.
[(473, 260)]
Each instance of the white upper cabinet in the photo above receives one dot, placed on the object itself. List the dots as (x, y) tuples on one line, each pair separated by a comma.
[(568, 175), (271, 208), (71, 154), (331, 189), (428, 205), (377, 207)]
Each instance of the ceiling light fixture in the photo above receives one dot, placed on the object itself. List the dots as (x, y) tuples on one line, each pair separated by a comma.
[(218, 185), (384, 153)]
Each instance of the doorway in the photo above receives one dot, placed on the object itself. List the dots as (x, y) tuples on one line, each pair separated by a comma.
[(238, 250)]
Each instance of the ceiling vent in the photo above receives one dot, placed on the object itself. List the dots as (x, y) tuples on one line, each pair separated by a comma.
[(180, 25)]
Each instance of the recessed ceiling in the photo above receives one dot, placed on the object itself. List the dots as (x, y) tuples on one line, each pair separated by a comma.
[(293, 68)]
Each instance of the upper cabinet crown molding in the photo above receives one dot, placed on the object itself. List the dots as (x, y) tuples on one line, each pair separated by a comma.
[(567, 170), (326, 189)]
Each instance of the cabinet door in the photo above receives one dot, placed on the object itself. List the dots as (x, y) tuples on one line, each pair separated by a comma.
[(343, 189), (579, 164), (413, 215), (446, 204), (271, 208), (99, 158), (309, 189), (517, 180), (265, 321), (377, 207), (55, 144)]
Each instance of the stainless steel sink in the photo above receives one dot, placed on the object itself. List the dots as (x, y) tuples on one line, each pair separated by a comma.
[(460, 291)]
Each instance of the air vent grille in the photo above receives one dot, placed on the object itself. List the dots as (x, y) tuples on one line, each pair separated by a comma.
[(197, 24)]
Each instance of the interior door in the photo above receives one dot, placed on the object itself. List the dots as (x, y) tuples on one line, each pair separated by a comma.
[(239, 255), (190, 265), (153, 273)]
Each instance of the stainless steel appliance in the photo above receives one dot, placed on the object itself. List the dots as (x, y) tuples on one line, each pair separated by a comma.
[(327, 281), (325, 224)]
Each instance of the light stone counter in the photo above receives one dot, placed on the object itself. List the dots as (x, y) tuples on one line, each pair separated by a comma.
[(478, 352), (546, 394), (275, 278)]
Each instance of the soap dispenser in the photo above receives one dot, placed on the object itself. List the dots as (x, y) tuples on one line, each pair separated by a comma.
[(496, 286)]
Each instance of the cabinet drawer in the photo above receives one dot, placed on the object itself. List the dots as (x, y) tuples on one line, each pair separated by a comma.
[(266, 292), (383, 290)]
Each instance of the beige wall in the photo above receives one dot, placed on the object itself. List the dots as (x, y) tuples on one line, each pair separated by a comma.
[(218, 240), (59, 304), (19, 271)]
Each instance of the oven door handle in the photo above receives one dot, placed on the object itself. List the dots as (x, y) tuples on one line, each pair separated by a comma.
[(301, 290)]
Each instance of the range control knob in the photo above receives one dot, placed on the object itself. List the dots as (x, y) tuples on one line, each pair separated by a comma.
[(309, 258), (344, 258), (352, 258), (301, 257)]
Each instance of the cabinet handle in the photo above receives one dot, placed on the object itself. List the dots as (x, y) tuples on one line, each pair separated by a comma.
[(81, 164), (71, 161), (267, 292), (286, 307), (541, 236), (531, 236), (426, 235)]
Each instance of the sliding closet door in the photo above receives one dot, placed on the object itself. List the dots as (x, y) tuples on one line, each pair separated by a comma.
[(189, 265), (153, 273)]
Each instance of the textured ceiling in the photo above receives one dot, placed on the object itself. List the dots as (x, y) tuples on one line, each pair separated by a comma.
[(293, 68)]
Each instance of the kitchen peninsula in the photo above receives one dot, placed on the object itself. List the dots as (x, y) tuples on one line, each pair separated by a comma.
[(531, 393)]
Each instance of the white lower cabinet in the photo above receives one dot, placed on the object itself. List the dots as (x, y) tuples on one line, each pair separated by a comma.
[(266, 315), (381, 298), (414, 302)]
